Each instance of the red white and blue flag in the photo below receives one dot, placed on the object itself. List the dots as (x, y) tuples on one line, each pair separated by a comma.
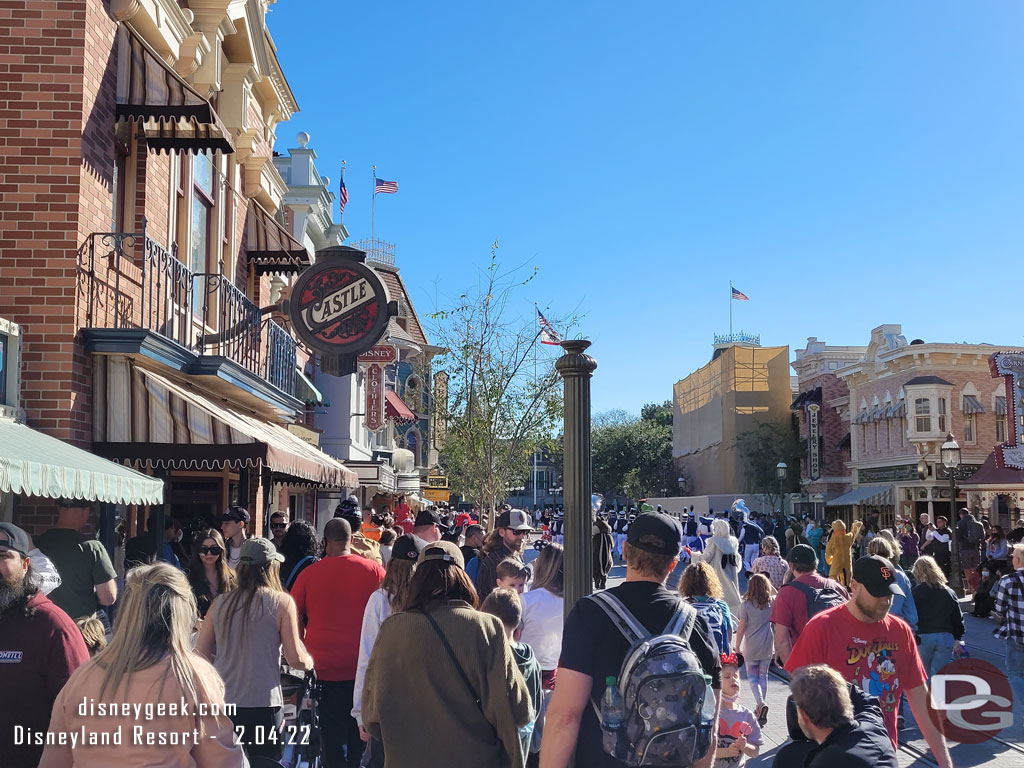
[(342, 193), (384, 187), (739, 295), (548, 335)]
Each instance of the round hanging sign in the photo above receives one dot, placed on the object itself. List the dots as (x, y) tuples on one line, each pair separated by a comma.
[(339, 306)]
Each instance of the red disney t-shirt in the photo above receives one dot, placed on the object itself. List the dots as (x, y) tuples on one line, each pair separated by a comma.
[(880, 658)]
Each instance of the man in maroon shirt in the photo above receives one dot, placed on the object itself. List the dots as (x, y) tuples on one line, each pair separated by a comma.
[(40, 647), (789, 611)]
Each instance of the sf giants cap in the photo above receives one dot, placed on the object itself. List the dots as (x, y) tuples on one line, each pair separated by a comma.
[(877, 575), (12, 537)]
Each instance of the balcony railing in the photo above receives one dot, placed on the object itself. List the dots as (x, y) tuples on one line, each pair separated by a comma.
[(738, 338), (378, 251), (129, 281)]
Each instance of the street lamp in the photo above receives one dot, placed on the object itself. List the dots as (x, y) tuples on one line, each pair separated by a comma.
[(682, 485), (950, 453), (781, 471)]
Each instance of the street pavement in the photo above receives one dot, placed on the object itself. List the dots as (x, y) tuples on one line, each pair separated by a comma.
[(913, 751)]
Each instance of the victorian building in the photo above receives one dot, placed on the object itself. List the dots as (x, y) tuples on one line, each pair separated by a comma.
[(904, 398), (140, 216)]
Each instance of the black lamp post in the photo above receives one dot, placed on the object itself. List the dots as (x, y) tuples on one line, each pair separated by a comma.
[(950, 452), (781, 471)]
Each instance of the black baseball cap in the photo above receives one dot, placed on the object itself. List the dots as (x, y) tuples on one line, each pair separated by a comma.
[(429, 517), (236, 514), (13, 537), (877, 575), (656, 533), (405, 549), (802, 554)]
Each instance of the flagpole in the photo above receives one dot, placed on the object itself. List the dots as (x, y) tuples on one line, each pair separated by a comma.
[(341, 211), (730, 310), (373, 207)]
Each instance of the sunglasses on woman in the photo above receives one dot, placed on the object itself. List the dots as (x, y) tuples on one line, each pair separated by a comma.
[(210, 550)]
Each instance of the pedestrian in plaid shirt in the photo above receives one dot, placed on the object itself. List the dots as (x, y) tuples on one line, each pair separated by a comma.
[(1009, 605)]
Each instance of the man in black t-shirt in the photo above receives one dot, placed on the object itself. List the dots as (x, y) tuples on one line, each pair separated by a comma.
[(593, 648)]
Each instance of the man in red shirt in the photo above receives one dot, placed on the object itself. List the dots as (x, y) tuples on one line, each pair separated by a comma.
[(40, 647), (873, 650), (789, 611), (331, 596)]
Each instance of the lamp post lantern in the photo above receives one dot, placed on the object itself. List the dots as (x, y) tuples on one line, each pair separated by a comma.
[(781, 472), (951, 457)]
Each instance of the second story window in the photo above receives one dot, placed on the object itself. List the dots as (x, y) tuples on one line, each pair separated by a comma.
[(201, 224), (942, 414), (969, 428), (3, 369), (923, 413), (1000, 419)]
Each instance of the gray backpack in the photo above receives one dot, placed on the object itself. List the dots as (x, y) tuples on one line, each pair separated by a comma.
[(669, 703)]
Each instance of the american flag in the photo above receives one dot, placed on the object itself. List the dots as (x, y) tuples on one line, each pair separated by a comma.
[(343, 193), (548, 335), (384, 187), (739, 295)]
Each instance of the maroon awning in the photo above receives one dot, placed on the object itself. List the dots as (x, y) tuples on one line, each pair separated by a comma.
[(397, 410), (270, 248)]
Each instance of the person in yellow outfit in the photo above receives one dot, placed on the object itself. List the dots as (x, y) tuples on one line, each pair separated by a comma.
[(837, 553)]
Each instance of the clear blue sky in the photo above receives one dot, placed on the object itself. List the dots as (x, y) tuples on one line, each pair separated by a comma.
[(846, 164)]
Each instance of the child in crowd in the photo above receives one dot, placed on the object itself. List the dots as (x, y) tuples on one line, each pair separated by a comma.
[(739, 735), (512, 574), (93, 632), (505, 604), (754, 638)]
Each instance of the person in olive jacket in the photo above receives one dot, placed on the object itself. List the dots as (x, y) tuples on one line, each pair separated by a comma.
[(440, 649)]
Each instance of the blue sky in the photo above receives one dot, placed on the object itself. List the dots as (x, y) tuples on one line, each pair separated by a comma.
[(846, 164)]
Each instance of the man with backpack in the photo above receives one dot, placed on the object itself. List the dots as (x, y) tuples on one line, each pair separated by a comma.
[(808, 594), (595, 647), (970, 536)]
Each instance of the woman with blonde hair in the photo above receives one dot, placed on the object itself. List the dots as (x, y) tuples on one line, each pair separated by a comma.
[(149, 661), (755, 640), (722, 553), (209, 572), (940, 622), (903, 606), (245, 632)]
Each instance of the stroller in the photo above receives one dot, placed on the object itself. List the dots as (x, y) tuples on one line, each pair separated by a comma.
[(301, 734)]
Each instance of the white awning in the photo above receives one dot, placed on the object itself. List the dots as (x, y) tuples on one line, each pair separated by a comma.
[(867, 495), (35, 464)]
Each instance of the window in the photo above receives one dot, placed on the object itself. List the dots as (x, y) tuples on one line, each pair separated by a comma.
[(969, 426), (201, 222), (120, 197), (1000, 419), (942, 414), (4, 364), (413, 444), (923, 412)]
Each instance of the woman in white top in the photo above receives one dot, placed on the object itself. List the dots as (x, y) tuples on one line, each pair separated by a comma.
[(380, 605), (542, 623)]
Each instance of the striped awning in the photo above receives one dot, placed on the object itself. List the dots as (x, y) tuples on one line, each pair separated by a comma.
[(148, 420), (899, 410), (173, 115), (397, 410), (972, 405), (35, 464), (868, 495), (270, 248)]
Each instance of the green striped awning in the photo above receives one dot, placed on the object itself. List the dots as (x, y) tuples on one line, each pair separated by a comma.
[(34, 464)]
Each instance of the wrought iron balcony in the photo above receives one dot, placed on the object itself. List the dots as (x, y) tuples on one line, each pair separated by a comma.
[(128, 281)]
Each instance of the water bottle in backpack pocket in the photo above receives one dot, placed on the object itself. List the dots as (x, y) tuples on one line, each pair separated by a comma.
[(667, 700), (613, 720)]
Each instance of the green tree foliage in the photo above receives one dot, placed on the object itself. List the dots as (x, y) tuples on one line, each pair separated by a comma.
[(504, 396), (631, 456), (761, 449)]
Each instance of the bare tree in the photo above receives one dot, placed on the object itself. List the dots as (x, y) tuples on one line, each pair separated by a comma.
[(504, 396)]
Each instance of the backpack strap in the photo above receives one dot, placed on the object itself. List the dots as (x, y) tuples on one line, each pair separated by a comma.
[(807, 589), (291, 576), (682, 621), (626, 623)]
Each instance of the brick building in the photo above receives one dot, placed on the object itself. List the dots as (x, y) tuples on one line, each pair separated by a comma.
[(137, 216), (904, 399), (823, 422)]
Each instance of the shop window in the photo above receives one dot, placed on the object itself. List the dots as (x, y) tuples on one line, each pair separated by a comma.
[(942, 414), (923, 411)]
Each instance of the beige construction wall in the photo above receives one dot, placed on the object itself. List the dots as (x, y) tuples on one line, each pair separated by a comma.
[(741, 388)]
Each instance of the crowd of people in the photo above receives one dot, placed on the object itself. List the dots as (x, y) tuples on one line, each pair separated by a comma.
[(424, 629)]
